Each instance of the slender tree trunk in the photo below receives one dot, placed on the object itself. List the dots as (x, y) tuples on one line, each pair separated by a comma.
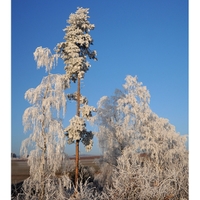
[(77, 141), (44, 161), (44, 149)]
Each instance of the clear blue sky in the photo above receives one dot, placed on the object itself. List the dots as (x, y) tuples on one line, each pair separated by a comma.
[(144, 38)]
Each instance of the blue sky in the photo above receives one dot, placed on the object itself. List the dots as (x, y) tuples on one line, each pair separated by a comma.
[(144, 38)]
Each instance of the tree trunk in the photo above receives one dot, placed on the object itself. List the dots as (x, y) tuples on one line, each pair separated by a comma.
[(44, 158), (77, 141)]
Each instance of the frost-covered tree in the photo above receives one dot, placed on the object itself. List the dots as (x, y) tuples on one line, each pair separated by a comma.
[(47, 139), (148, 158), (119, 118), (74, 51)]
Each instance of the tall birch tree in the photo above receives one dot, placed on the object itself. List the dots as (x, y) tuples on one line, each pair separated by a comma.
[(47, 140), (75, 51)]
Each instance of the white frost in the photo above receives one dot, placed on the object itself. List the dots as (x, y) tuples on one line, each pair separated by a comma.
[(77, 45), (44, 57)]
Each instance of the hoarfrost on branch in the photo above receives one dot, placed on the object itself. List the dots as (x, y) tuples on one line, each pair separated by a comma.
[(76, 48)]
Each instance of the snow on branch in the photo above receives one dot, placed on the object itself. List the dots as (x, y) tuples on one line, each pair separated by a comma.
[(77, 131), (50, 93), (44, 58), (83, 100), (77, 125), (75, 50), (87, 111)]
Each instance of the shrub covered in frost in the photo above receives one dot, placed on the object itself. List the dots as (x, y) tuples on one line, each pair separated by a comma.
[(149, 159)]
